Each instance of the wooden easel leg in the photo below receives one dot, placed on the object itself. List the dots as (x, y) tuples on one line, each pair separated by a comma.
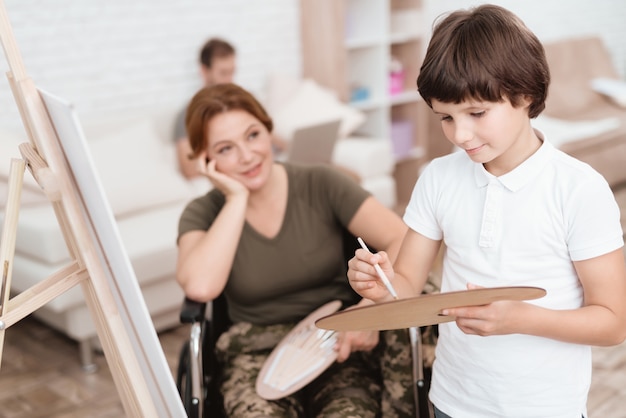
[(9, 235)]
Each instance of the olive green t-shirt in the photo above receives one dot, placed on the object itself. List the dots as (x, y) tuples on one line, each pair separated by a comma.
[(283, 279)]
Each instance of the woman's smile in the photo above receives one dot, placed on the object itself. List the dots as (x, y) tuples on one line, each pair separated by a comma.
[(254, 171)]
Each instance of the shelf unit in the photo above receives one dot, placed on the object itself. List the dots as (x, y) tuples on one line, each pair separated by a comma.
[(349, 46)]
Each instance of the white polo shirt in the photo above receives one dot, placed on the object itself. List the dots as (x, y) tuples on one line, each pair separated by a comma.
[(520, 229)]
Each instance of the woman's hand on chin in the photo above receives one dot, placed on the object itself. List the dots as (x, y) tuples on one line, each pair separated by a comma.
[(226, 184)]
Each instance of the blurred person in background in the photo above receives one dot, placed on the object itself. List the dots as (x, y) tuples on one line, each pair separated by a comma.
[(217, 66)]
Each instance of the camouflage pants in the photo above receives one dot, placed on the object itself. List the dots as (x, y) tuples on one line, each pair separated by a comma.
[(349, 389), (398, 399), (369, 384)]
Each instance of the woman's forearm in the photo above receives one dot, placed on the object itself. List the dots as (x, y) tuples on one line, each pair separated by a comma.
[(205, 263)]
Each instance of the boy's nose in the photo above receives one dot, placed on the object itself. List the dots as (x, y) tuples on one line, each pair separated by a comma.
[(462, 135)]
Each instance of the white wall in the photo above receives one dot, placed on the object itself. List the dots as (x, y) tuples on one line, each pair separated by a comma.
[(116, 56), (558, 19)]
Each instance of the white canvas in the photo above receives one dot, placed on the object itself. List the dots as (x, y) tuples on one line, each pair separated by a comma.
[(116, 264)]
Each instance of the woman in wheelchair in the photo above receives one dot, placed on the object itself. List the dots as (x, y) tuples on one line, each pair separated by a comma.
[(270, 237)]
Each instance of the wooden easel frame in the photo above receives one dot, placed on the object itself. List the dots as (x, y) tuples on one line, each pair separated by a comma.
[(46, 161)]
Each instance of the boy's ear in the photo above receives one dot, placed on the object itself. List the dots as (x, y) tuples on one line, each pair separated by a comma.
[(521, 102)]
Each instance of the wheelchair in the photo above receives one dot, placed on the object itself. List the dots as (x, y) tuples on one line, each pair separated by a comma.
[(197, 377), (198, 373)]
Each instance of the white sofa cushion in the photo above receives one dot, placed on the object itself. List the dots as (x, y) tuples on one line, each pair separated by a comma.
[(136, 169), (28, 271), (69, 313), (614, 89), (312, 104), (39, 235), (383, 188), (149, 240), (367, 157), (560, 131), (138, 172), (279, 89)]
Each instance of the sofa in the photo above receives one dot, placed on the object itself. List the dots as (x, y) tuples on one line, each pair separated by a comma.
[(135, 161), (582, 118)]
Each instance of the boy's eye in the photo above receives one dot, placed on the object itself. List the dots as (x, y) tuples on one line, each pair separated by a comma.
[(478, 114), (446, 118)]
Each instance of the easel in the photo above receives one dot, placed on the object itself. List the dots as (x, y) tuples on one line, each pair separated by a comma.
[(46, 161)]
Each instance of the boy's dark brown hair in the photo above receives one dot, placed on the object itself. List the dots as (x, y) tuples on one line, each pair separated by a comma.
[(215, 48), (485, 53), (211, 101)]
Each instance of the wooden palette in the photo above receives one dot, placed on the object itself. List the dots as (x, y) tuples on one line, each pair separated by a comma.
[(300, 357), (421, 310)]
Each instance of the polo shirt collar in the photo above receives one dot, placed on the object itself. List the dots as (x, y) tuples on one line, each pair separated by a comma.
[(522, 174)]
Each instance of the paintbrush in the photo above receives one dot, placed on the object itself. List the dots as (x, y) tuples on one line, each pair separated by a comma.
[(380, 272)]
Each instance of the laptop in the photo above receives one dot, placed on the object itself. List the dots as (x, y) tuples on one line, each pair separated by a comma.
[(314, 143)]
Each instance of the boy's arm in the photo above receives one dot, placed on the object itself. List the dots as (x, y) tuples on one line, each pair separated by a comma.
[(408, 274), (416, 260), (601, 321)]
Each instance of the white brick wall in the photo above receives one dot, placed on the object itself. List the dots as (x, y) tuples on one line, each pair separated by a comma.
[(115, 56), (127, 55)]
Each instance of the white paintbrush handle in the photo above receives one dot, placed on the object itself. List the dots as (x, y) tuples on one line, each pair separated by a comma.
[(380, 272)]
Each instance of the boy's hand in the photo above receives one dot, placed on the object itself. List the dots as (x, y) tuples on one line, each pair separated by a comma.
[(496, 318), (363, 277)]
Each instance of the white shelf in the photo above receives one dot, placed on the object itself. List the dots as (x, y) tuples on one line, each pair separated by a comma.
[(370, 104), (392, 100), (362, 42), (361, 37), (401, 37), (405, 97)]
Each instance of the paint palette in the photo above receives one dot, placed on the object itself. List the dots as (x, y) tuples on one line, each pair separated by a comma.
[(300, 357), (421, 310)]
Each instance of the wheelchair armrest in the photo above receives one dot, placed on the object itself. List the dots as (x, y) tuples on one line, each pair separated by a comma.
[(192, 311)]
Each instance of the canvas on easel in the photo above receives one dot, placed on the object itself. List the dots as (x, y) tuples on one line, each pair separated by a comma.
[(58, 157)]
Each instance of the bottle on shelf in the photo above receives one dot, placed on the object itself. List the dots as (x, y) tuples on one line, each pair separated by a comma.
[(396, 76)]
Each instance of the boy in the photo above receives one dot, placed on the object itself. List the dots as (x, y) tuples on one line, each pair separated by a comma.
[(513, 211)]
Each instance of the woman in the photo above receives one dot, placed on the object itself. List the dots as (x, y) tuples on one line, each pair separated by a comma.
[(269, 235)]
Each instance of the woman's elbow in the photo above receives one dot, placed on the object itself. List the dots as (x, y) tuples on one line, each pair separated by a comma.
[(200, 294), (196, 289)]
